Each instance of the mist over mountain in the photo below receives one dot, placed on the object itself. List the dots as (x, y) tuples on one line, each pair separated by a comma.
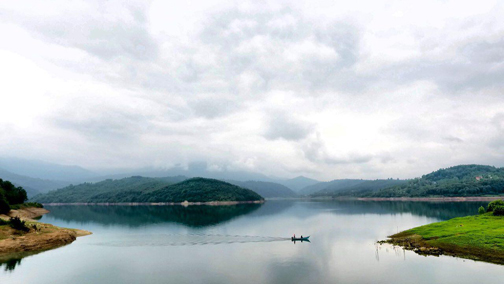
[(45, 170), (33, 186), (298, 183)]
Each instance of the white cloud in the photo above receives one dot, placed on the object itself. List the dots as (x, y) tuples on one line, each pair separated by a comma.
[(330, 89)]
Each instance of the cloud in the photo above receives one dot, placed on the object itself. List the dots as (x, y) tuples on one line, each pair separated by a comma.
[(282, 126), (346, 90)]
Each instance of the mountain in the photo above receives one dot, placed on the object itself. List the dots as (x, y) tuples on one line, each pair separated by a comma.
[(357, 187), (463, 180), (266, 189), (333, 185), (33, 186), (44, 170), (142, 189), (298, 183)]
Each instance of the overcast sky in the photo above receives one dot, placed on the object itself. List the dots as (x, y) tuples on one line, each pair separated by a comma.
[(326, 89)]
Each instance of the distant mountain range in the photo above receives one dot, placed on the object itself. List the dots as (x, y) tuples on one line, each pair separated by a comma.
[(464, 180), (33, 186), (41, 177), (298, 183), (45, 170)]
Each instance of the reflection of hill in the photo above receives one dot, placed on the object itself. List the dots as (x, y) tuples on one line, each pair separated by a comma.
[(441, 210), (272, 207), (134, 216)]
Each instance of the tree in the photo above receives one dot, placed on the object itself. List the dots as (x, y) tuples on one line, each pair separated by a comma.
[(493, 204), (481, 210), (4, 205)]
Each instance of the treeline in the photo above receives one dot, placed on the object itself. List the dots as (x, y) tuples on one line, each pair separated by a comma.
[(149, 190), (356, 187), (464, 180), (10, 195)]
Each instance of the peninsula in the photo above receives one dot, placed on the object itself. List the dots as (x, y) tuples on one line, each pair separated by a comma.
[(20, 232), (477, 237)]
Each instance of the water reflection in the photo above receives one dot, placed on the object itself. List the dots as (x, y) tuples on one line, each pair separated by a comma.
[(440, 210), (135, 216), (246, 244), (10, 263)]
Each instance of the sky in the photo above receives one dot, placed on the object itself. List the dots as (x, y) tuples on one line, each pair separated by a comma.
[(324, 89)]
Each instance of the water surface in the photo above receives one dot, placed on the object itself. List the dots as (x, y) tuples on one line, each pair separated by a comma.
[(247, 244)]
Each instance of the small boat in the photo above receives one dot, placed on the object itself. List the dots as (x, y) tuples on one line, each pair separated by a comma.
[(300, 239)]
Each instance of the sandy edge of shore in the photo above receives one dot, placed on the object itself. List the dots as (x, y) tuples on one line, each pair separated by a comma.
[(46, 236)]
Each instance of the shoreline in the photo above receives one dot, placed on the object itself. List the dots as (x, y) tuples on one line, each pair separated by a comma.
[(40, 237), (419, 199), (440, 199), (476, 237), (185, 204)]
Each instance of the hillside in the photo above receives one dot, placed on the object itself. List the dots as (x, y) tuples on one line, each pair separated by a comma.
[(141, 189), (266, 189), (357, 187), (329, 186), (463, 180)]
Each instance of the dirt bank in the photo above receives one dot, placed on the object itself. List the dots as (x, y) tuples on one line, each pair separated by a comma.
[(40, 236)]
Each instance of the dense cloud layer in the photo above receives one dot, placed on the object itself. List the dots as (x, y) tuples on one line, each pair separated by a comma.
[(329, 89)]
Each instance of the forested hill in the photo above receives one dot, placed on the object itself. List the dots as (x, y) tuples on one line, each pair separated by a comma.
[(141, 189), (357, 187), (463, 180), (329, 186), (266, 189)]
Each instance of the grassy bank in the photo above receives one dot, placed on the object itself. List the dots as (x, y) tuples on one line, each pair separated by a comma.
[(479, 237)]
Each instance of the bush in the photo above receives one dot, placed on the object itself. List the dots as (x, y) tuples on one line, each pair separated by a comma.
[(481, 210), (18, 224), (3, 222), (498, 211), (493, 204), (4, 205)]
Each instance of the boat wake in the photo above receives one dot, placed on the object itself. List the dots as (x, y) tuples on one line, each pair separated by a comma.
[(186, 240)]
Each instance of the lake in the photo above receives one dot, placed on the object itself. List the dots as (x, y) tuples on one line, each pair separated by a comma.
[(248, 244)]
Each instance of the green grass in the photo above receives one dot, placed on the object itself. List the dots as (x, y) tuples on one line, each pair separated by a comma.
[(477, 237)]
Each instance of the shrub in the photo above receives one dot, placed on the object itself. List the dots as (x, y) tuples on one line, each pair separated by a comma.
[(4, 205), (18, 224), (498, 211), (3, 222), (481, 210), (494, 204)]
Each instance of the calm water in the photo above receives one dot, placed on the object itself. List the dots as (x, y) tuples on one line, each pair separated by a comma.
[(247, 244)]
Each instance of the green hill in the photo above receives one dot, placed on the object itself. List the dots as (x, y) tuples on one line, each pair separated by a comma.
[(141, 189), (463, 180), (357, 187), (329, 186)]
